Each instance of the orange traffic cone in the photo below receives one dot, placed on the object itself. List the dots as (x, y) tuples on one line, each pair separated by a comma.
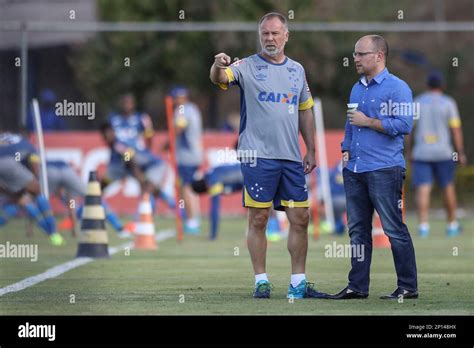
[(130, 227), (65, 224), (379, 239), (145, 228)]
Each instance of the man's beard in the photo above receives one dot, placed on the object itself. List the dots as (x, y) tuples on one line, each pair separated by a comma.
[(273, 52), (360, 71)]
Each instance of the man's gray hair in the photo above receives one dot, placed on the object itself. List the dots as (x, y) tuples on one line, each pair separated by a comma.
[(273, 15)]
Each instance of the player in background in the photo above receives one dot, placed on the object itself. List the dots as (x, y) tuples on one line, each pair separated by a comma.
[(149, 169), (221, 180), (19, 170), (336, 185), (436, 129), (66, 184), (189, 153), (49, 120), (63, 182), (131, 128)]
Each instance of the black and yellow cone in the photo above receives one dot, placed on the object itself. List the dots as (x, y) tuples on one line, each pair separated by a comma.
[(93, 240)]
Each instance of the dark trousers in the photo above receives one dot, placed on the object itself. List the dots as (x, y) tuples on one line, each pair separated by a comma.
[(380, 189)]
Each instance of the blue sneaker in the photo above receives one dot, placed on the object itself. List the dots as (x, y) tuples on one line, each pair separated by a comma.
[(274, 237), (262, 289), (423, 231), (453, 231), (192, 230), (304, 290), (340, 228)]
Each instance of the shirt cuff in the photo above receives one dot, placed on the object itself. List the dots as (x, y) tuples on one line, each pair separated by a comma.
[(388, 128)]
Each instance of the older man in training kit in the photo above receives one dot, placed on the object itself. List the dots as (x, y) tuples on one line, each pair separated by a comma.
[(275, 105), (380, 114)]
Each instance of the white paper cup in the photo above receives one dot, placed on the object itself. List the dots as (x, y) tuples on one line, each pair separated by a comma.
[(352, 106)]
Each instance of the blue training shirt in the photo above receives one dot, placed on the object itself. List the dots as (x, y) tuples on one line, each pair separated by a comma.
[(390, 100), (271, 96)]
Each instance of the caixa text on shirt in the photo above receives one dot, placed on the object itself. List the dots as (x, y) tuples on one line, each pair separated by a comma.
[(391, 108), (37, 331), (274, 97)]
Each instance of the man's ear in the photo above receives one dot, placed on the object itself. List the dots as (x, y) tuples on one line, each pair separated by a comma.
[(287, 36), (380, 56)]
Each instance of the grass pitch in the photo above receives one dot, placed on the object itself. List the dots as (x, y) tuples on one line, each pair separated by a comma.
[(199, 277)]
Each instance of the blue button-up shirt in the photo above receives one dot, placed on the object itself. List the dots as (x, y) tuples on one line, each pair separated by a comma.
[(390, 100)]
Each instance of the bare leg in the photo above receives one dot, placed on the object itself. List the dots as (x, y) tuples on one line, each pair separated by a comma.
[(256, 239), (298, 238), (190, 202), (449, 196), (423, 193), (72, 215), (22, 199), (29, 227)]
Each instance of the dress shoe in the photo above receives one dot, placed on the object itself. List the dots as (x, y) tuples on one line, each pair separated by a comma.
[(347, 294), (400, 292)]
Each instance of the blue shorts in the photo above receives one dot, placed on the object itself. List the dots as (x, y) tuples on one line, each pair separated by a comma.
[(116, 171), (424, 172), (278, 182), (186, 174)]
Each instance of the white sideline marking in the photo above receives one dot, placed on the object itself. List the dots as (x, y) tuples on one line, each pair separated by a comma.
[(67, 266)]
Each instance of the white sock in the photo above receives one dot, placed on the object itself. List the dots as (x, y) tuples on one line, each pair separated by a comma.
[(453, 224), (259, 277), (297, 278), (424, 226)]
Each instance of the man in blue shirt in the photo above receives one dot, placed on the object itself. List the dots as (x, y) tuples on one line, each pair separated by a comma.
[(132, 128), (50, 121), (375, 168)]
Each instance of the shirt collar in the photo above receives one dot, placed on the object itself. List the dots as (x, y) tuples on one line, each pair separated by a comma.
[(377, 78), (267, 61)]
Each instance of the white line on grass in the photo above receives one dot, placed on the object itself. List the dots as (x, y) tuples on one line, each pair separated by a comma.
[(67, 266)]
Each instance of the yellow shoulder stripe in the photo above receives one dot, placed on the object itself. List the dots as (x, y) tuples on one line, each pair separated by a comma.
[(306, 104), (230, 78), (455, 123)]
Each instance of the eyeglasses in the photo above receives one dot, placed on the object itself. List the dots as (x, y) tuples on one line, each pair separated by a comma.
[(361, 54)]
